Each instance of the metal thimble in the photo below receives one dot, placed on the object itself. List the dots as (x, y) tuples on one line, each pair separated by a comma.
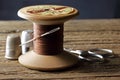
[(25, 36), (13, 50)]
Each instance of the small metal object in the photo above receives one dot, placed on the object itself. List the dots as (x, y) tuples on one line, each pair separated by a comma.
[(13, 50), (106, 53), (86, 55), (89, 56), (25, 36)]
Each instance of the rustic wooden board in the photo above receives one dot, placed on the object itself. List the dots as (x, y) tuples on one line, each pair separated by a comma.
[(78, 34)]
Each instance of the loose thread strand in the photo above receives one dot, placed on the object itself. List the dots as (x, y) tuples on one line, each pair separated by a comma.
[(47, 33)]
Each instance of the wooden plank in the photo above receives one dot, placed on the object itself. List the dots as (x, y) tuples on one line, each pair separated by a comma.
[(79, 34)]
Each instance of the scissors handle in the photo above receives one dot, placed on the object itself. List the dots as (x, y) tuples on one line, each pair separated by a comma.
[(92, 54)]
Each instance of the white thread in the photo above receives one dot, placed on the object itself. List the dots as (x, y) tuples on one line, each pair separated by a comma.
[(47, 33)]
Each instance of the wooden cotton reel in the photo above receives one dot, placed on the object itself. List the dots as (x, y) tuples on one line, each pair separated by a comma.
[(48, 53)]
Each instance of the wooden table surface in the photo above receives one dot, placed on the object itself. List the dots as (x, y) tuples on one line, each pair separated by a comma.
[(78, 34)]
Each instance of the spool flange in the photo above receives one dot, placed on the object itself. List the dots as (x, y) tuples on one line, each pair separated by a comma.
[(48, 15)]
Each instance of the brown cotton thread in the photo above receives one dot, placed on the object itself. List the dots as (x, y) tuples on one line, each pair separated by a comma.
[(50, 44)]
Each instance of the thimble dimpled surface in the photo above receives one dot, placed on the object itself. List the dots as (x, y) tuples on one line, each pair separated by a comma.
[(13, 49), (25, 36)]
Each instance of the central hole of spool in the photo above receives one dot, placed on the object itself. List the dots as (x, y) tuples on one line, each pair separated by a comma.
[(50, 44)]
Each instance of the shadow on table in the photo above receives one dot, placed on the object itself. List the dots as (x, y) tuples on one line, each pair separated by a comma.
[(110, 65)]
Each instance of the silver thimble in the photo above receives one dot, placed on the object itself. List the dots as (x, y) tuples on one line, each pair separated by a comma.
[(25, 36), (13, 50)]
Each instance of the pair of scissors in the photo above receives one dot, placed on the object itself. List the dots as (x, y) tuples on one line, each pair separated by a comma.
[(97, 55)]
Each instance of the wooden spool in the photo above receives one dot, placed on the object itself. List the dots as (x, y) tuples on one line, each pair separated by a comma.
[(47, 15)]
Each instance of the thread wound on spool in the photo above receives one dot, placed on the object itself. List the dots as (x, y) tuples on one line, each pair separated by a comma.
[(50, 44)]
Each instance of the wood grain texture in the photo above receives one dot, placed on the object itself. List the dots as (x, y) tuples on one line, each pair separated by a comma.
[(78, 34)]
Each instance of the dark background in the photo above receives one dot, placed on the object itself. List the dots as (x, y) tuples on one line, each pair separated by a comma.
[(89, 9)]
